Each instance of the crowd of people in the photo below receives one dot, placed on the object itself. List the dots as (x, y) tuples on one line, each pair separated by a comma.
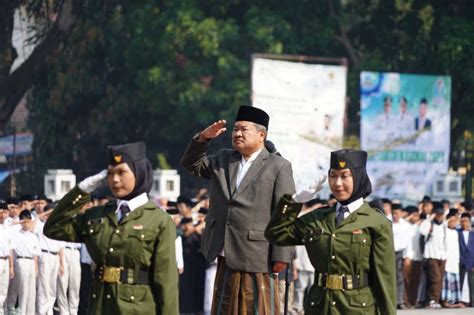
[(434, 246)]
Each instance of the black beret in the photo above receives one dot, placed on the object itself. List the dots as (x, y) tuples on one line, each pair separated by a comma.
[(253, 114), (25, 214), (129, 152), (347, 158)]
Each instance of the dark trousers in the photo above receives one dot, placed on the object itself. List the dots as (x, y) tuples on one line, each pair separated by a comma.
[(434, 275), (470, 283), (411, 274), (400, 284), (85, 289)]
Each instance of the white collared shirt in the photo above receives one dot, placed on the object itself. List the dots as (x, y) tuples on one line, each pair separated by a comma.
[(244, 166), (401, 234), (46, 243), (6, 243), (132, 204), (353, 206), (26, 244), (465, 235)]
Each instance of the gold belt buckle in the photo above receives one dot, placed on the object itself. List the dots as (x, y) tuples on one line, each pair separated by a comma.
[(111, 274), (334, 282)]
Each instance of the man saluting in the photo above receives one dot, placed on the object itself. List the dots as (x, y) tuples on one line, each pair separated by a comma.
[(246, 184)]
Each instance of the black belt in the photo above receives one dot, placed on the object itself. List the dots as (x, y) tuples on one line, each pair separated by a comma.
[(342, 282), (121, 275), (24, 257), (69, 247), (4, 257), (49, 252)]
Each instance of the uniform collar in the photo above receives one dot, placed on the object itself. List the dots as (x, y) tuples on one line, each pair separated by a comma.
[(353, 206), (133, 203)]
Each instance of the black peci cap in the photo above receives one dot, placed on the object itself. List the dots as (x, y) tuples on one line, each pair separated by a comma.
[(203, 210), (186, 220), (3, 205), (411, 209), (396, 206), (13, 201), (25, 214), (129, 152), (347, 158), (253, 114)]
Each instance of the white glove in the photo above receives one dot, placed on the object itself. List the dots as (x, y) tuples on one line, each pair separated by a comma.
[(91, 183), (310, 193)]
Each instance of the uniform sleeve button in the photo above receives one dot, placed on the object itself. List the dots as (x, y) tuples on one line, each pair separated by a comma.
[(111, 250), (132, 298), (79, 196), (333, 257), (364, 240), (142, 236), (333, 235), (117, 231), (333, 302), (108, 296), (363, 304)]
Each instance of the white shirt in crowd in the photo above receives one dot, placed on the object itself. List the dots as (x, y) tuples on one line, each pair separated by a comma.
[(413, 250), (452, 247), (435, 246), (46, 243), (302, 261), (179, 252), (13, 223), (26, 244), (401, 234), (6, 243)]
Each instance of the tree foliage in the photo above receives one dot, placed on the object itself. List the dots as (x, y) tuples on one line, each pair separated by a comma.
[(162, 70)]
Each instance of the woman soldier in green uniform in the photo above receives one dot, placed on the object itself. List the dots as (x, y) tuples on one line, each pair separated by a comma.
[(350, 244), (131, 241)]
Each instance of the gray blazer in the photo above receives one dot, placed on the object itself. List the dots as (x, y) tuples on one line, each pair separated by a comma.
[(237, 218)]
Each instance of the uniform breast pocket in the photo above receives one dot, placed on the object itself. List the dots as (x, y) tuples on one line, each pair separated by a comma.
[(140, 242), (360, 248)]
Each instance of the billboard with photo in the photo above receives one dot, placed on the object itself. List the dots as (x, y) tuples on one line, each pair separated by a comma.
[(405, 127), (306, 104)]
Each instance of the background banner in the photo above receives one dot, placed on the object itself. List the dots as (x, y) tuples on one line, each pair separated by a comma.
[(306, 104), (405, 127)]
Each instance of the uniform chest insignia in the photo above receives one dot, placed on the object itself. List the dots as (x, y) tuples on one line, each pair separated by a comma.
[(118, 158), (138, 227), (357, 232)]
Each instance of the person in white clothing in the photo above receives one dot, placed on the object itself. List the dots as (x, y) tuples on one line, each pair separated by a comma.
[(435, 253), (70, 282), (451, 293), (13, 219), (48, 265), (6, 258), (413, 257), (27, 250), (401, 232)]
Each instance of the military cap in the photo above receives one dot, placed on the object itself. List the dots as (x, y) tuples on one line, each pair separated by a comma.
[(129, 152), (347, 158), (25, 214), (253, 114)]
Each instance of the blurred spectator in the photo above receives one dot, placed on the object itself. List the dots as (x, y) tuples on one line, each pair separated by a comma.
[(413, 257), (466, 245), (401, 239), (451, 293)]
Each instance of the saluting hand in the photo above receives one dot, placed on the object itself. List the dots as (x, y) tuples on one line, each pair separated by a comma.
[(310, 193), (91, 183), (213, 131)]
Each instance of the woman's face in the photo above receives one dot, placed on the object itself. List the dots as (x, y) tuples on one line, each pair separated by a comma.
[(341, 183), (121, 180)]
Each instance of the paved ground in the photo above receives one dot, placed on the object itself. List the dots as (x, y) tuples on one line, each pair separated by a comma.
[(445, 311)]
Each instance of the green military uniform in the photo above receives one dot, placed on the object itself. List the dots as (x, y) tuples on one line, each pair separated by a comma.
[(354, 262), (136, 263)]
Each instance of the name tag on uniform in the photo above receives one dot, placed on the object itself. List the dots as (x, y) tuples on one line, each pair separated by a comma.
[(357, 232), (138, 227)]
